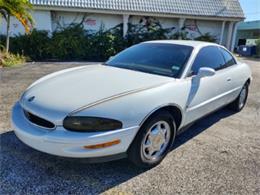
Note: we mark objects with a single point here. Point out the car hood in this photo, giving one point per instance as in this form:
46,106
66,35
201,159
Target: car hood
55,96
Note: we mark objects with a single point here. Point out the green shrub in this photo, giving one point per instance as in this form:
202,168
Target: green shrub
183,35
69,44
102,45
152,31
34,45
76,43
9,60
2,40
258,48
206,37
119,42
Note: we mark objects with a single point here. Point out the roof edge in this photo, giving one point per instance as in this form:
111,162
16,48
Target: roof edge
137,13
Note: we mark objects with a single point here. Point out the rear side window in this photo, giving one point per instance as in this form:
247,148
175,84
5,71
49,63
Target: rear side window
208,57
229,60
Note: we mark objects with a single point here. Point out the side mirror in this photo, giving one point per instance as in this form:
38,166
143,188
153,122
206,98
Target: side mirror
206,72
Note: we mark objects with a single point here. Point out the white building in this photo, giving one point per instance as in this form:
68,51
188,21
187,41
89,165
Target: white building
217,17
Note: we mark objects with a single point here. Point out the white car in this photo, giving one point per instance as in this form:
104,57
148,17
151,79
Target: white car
133,105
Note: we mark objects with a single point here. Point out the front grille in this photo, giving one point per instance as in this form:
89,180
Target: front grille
38,121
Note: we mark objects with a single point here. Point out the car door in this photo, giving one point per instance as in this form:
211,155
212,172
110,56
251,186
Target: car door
206,93
231,72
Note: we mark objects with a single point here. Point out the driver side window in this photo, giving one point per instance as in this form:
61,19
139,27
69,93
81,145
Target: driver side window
210,57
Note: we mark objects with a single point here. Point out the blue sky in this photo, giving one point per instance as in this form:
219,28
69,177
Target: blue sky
251,9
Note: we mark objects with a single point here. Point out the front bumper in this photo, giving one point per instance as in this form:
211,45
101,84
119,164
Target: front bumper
65,143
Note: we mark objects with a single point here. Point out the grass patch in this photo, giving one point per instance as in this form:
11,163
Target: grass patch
11,60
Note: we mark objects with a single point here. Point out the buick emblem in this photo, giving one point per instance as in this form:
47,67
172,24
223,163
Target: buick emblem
31,99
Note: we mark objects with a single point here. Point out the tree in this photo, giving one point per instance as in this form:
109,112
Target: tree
20,10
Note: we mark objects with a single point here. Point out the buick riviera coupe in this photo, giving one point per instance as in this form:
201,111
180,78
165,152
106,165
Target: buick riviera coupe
132,106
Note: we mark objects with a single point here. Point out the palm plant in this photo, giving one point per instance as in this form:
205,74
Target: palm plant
20,10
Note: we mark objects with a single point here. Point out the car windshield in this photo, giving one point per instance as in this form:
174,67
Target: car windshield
155,58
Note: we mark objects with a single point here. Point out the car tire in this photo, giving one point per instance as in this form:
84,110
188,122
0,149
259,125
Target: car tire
153,141
239,103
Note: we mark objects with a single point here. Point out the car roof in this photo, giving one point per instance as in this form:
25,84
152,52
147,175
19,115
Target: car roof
194,44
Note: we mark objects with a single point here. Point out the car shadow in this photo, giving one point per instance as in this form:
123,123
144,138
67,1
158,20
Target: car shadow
24,170
201,125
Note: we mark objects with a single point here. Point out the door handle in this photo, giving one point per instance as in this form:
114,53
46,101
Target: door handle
229,79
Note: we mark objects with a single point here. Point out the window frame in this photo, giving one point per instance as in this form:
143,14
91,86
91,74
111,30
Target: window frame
225,65
189,74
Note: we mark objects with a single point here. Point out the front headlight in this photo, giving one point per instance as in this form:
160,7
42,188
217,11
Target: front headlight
90,124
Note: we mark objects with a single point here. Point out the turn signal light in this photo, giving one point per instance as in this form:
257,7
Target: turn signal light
103,145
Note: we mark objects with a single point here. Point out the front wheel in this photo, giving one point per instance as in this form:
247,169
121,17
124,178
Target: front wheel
240,102
153,141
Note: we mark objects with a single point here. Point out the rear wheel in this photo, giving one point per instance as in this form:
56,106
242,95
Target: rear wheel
153,140
240,102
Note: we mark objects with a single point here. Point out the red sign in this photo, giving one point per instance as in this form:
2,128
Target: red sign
90,22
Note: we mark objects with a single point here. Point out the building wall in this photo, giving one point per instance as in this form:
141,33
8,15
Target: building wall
54,20
193,27
42,22
247,34
92,22
225,35
165,22
197,28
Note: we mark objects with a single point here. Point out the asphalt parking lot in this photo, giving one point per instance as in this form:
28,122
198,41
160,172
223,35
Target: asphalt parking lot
218,155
